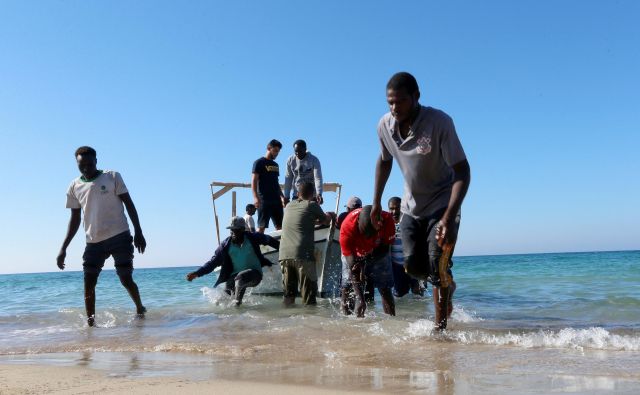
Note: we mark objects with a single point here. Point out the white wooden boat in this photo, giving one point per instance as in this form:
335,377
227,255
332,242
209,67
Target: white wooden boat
327,247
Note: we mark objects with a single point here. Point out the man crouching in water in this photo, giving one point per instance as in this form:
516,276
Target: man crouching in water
240,260
366,252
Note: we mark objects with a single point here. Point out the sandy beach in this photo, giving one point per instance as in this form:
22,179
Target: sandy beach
519,326
42,379
453,370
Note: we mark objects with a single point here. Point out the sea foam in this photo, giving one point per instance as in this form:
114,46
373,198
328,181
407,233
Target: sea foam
594,338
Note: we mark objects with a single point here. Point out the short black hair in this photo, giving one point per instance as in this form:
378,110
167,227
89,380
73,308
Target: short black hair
85,150
300,142
306,189
394,199
403,80
274,144
249,207
364,221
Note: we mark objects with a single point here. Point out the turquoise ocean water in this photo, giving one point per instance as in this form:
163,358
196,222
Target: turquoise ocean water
574,313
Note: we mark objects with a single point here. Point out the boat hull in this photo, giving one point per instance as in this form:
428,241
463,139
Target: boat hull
328,265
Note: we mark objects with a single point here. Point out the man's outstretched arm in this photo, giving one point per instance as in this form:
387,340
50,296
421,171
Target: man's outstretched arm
216,260
138,238
461,180
383,170
72,229
267,240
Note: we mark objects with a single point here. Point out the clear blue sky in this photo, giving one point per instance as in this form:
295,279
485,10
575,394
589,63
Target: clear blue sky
544,94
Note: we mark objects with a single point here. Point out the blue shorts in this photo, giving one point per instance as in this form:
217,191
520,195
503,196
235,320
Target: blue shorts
378,271
402,282
120,247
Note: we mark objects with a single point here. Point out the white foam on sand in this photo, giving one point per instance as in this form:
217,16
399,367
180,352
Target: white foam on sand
594,338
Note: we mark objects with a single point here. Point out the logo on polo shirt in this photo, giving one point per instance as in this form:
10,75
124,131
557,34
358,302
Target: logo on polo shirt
424,145
103,189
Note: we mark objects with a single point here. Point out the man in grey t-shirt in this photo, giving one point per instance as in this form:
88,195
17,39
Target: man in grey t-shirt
297,246
436,173
302,167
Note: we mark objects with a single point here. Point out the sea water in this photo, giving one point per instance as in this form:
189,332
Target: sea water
566,321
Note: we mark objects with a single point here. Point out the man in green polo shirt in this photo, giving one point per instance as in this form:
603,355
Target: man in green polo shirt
297,245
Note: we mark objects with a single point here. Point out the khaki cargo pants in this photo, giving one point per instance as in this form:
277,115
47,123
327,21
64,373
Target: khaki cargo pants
303,273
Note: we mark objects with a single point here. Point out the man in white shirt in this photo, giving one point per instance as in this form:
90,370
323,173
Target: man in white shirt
100,195
248,218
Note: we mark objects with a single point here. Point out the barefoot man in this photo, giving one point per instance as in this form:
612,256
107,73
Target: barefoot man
424,142
101,195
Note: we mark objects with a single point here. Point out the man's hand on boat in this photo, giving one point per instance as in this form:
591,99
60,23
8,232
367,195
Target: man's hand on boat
330,216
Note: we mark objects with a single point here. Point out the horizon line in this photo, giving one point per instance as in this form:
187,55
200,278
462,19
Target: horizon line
459,256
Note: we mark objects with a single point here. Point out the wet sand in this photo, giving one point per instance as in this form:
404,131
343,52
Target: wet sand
38,379
451,369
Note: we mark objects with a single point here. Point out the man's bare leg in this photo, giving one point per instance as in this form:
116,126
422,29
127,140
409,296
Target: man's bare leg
126,279
361,305
90,281
443,304
388,304
347,300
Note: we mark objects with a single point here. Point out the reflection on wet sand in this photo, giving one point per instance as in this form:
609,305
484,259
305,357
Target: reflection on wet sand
450,372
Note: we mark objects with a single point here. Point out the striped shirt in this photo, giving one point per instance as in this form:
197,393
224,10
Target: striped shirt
397,256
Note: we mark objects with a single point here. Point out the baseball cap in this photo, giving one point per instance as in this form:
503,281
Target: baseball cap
354,202
237,223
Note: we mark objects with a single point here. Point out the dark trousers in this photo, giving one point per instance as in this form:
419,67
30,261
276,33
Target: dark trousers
237,284
420,247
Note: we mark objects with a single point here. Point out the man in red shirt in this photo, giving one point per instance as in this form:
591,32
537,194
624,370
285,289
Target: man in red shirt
366,252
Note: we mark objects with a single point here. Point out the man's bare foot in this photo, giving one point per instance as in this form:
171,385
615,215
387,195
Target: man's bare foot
91,321
288,301
140,312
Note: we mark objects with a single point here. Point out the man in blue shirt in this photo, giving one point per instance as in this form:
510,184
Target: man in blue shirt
402,282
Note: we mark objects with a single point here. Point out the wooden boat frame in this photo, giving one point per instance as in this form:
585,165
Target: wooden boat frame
327,244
